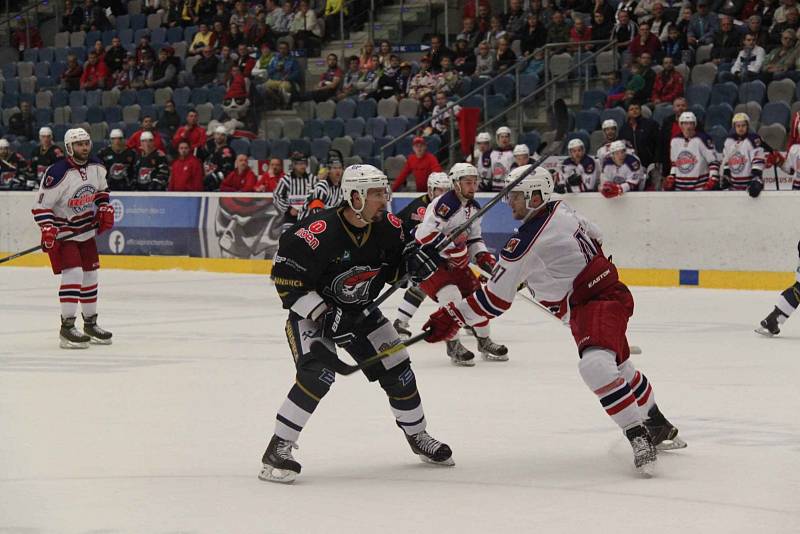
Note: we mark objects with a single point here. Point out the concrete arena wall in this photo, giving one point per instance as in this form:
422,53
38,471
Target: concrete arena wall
709,239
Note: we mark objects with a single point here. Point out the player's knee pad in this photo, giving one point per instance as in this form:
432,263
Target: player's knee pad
415,294
314,378
399,381
447,294
627,370
598,368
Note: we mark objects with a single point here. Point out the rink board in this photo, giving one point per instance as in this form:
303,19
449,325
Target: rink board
703,239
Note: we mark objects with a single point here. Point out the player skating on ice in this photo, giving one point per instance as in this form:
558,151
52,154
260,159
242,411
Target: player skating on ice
694,160
438,184
556,252
73,198
454,279
743,158
786,305
327,270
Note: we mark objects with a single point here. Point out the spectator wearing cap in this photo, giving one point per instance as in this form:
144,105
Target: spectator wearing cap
148,125
423,82
284,73
186,171
191,132
23,123
420,163
702,25
668,84
95,73
241,179
268,181
749,61
259,72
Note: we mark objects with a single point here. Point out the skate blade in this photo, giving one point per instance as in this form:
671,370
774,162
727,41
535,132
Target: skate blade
67,344
444,463
463,363
280,476
494,357
672,444
764,332
635,350
98,341
647,470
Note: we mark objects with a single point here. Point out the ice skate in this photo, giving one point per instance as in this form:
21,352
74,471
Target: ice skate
644,453
70,337
97,334
769,326
279,464
430,450
402,329
662,433
491,351
459,354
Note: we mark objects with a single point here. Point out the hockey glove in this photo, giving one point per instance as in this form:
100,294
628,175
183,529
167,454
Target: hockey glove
669,183
712,184
338,326
104,218
754,187
775,159
486,261
443,324
560,189
574,180
611,190
49,234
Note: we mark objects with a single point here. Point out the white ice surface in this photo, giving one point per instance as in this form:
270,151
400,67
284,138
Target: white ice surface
163,431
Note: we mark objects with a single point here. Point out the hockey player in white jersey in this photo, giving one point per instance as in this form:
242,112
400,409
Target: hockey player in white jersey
743,158
787,303
502,157
579,171
522,156
694,161
454,279
556,253
610,130
791,162
482,159
622,172
73,199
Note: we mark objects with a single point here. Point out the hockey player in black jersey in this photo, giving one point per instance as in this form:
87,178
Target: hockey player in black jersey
13,168
438,184
327,269
787,303
151,169
43,156
119,161
218,159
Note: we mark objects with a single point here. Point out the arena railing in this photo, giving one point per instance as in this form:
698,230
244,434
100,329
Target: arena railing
8,18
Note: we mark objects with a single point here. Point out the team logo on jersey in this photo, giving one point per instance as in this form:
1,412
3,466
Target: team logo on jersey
442,210
419,215
634,165
618,179
317,227
511,246
308,237
685,161
498,170
118,171
82,198
737,163
48,181
352,286
393,220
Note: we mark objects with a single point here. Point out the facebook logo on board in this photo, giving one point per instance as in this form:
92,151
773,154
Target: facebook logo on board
116,242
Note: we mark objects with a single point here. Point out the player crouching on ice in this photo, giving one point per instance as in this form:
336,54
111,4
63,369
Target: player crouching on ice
328,268
73,199
556,252
786,305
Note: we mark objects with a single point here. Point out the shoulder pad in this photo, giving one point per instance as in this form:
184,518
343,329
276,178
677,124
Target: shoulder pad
633,162
567,161
608,161
447,205
94,160
474,203
705,139
55,173
755,139
518,244
588,163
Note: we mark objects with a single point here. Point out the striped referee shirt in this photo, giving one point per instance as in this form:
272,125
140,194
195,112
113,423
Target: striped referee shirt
292,192
326,192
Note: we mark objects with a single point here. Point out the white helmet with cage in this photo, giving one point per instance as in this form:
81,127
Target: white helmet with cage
539,180
439,180
361,178
75,135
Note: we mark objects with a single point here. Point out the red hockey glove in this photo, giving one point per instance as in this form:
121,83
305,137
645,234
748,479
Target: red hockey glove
486,261
775,159
611,190
712,184
104,218
443,324
49,234
669,183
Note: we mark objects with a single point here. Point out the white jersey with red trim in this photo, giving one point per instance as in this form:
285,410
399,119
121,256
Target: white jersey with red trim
483,162
587,168
547,253
605,151
629,175
792,165
743,159
501,159
693,161
69,195
442,216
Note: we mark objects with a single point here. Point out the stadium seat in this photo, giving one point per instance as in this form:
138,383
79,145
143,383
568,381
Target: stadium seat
199,95
782,91
364,146
130,128
204,112
44,116
126,98
91,38
130,114
189,33
474,101
353,160
280,148
134,7
149,110
162,95
593,98
299,145
77,39
333,128
61,55
325,110
409,108
354,127
304,110
579,134
216,94
587,120
94,114
434,143
532,139
775,113
344,145
76,98
387,107
126,36
718,135
98,131
78,113
138,34
596,140
704,74
699,112
154,21
617,114
274,129
376,127
719,115
320,146
27,86
112,114
9,70
46,54
31,55
345,109
79,52
753,110
175,35
313,128
158,36
293,128
754,91
44,99
774,135
122,22
527,84
218,114
560,64
146,97
259,149
8,112
698,95
661,112
94,98
367,109
240,145
504,85
182,96
495,104
107,36
138,22
24,69
606,63
724,93
396,126
703,54
393,165
61,40
41,69
403,146
61,115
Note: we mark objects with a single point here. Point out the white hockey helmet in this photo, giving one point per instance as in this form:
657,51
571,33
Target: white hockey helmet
609,123
616,146
362,178
44,130
75,135
483,137
461,170
576,143
740,117
503,130
146,136
522,150
539,180
4,143
687,117
439,180
116,133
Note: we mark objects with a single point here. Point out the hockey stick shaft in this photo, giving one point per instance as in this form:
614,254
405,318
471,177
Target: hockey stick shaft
342,368
39,247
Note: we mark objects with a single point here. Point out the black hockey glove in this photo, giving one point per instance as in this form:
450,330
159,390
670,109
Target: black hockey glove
338,326
422,260
755,187
574,180
560,189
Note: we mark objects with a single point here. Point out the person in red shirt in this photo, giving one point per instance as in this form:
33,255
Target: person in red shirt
268,181
148,125
191,132
241,179
238,85
669,83
645,41
420,163
95,73
186,172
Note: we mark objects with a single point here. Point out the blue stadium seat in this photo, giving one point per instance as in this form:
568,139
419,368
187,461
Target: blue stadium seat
181,96
718,134
364,146
474,101
198,96
396,126
97,146
79,52
94,98
775,113
587,120
60,99
754,91
30,98
122,22
10,100
724,93
383,141
31,55
59,130
45,82
532,139
661,112
91,37
333,128
183,109
61,54
9,70
300,145
313,128
126,36
403,146
41,69
112,114
259,149
138,34
367,108
320,147
375,161
149,110
47,54
241,145
175,35
617,114
698,95
26,149
528,84
495,105
719,115
130,128
145,97
699,112
158,35
77,98
78,113
107,36
138,22
465,86
11,86
189,33
345,109
504,85
126,98
433,142
57,68
216,94
594,98
376,127
94,114
354,127
583,136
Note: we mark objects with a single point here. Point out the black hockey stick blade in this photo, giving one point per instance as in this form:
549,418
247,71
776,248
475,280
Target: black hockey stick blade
39,247
327,357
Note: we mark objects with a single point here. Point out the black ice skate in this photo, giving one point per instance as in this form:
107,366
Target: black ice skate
430,450
279,464
70,337
662,433
491,351
459,354
97,334
644,453
769,326
402,329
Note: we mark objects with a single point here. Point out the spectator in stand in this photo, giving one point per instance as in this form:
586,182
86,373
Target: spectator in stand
781,59
469,33
304,27
95,74
268,181
169,121
424,81
164,72
484,61
186,171
669,83
389,81
240,14
504,57
579,33
727,42
348,87
368,79
426,107
536,63
144,49
149,126
329,83
273,12
516,19
115,56
483,18
238,87
202,39
259,73
791,22
683,21
781,13
438,52
702,26
221,34
150,7
643,134
283,21
676,46
624,30
534,35
558,31
420,163
100,50
205,70
93,17
241,179
463,58
449,78
365,60
226,61
748,63
626,6
205,12
445,116
71,77
23,123
645,61
188,17
755,27
72,16
173,19
127,75
496,31
385,54
284,72
146,73
645,41
191,132
659,22
234,36
25,37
